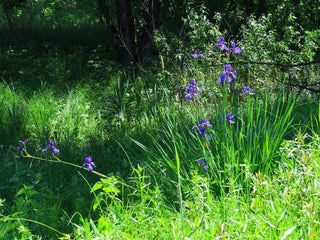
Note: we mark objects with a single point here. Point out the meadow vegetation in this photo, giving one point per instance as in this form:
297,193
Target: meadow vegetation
217,138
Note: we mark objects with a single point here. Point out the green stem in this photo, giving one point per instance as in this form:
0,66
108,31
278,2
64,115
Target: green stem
60,161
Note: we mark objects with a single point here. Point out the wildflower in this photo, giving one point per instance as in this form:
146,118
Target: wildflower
228,119
192,91
21,147
89,164
221,44
203,160
228,73
53,148
197,54
236,50
247,91
206,123
200,128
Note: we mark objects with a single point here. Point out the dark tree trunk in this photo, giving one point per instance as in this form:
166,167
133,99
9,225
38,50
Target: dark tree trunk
249,7
9,23
151,24
127,47
261,8
111,27
132,30
125,29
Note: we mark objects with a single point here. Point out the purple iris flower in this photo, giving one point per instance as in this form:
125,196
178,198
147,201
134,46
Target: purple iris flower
21,147
203,160
197,54
89,164
228,73
247,91
192,91
206,123
200,128
52,147
221,44
228,119
236,50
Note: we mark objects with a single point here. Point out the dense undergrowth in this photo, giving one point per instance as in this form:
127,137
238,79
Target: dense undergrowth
201,144
261,168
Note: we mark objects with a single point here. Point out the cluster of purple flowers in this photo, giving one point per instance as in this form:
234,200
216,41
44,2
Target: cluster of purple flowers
228,74
200,129
55,150
233,48
203,160
192,91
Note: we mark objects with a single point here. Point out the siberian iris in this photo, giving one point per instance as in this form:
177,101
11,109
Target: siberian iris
192,91
89,164
52,147
235,49
200,128
197,54
247,91
228,119
221,44
21,147
228,74
203,160
206,123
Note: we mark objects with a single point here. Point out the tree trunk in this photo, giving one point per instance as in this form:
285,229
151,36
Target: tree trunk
111,27
127,48
151,24
125,27
249,7
10,24
261,8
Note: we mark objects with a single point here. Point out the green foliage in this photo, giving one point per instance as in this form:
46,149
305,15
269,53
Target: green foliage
9,6
135,123
286,45
283,205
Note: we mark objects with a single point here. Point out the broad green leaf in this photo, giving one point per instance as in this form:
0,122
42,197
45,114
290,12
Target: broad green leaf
97,186
97,200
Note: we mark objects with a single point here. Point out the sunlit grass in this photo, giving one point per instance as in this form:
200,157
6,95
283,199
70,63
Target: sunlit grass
280,206
251,181
261,181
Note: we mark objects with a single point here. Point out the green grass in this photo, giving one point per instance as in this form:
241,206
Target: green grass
283,206
230,199
263,170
